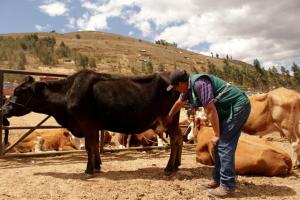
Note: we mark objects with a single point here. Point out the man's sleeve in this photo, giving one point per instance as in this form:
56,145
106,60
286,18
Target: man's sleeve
204,90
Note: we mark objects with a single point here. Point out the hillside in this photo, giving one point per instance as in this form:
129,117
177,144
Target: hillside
115,51
107,52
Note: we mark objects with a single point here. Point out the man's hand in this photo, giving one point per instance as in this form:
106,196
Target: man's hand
215,140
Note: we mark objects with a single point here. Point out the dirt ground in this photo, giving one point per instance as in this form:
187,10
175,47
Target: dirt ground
134,175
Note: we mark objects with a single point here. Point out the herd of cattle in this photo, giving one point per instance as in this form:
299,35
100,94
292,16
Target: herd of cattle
277,110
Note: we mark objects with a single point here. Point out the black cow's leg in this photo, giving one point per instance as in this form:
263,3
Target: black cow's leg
179,143
170,166
97,154
92,147
6,137
90,151
176,147
6,132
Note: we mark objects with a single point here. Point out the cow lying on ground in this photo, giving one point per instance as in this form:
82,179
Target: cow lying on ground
53,140
87,102
277,110
186,126
253,155
145,139
80,142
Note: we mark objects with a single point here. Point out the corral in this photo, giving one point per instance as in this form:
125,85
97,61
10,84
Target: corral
126,175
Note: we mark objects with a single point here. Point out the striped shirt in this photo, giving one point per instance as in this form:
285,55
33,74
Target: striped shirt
204,90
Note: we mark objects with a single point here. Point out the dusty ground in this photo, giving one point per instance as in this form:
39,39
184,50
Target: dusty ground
129,175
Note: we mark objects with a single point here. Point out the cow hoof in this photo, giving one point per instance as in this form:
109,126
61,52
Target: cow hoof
169,172
87,175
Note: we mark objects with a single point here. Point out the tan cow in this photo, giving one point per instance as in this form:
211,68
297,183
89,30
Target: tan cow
277,110
253,155
59,140
146,138
80,142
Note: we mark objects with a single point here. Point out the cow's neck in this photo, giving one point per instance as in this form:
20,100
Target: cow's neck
53,101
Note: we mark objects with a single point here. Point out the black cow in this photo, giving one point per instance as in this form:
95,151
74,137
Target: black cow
87,102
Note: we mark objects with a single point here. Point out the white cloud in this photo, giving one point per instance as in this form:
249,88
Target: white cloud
246,31
92,23
130,33
71,23
99,12
54,8
38,27
41,28
267,30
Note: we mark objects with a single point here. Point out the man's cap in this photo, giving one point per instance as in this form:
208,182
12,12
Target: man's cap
177,76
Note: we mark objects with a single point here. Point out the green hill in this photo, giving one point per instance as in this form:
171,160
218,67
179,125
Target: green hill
107,52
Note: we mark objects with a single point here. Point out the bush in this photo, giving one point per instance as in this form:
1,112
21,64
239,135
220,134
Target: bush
92,63
165,43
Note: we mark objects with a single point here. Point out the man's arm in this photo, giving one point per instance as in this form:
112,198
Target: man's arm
176,108
213,117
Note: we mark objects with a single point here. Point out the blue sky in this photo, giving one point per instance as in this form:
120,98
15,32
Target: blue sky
268,30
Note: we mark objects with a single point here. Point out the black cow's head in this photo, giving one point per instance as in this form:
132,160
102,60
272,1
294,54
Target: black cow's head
21,101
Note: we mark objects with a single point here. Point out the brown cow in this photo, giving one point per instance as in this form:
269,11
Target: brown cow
253,155
186,127
58,140
146,138
80,142
277,110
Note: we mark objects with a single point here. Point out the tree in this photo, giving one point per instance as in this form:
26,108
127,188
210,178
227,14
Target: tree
48,41
257,66
150,68
47,56
92,63
262,76
63,51
21,61
82,60
165,43
161,68
296,72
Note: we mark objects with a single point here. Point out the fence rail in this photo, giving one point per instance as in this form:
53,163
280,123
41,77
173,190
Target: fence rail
9,71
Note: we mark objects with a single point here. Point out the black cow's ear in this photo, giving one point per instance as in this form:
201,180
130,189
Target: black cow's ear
39,86
29,79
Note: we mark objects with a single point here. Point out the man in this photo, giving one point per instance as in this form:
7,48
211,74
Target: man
227,108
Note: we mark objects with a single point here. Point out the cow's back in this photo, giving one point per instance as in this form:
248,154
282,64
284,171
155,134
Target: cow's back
260,118
131,105
257,156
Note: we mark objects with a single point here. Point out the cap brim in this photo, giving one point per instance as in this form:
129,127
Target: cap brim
170,87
